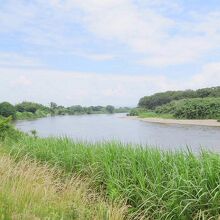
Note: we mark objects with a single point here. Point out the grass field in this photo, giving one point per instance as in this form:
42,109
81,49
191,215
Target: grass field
155,115
155,184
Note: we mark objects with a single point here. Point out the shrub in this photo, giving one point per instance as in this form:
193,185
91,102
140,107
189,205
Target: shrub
134,112
30,107
7,109
197,108
25,115
4,127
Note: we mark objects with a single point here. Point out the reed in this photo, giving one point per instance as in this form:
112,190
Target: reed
155,184
30,190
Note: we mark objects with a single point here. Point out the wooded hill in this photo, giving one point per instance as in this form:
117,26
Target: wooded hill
159,99
189,104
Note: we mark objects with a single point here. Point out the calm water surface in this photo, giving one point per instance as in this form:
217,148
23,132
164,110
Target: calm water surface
120,128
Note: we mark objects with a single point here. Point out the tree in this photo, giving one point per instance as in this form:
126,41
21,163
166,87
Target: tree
7,109
30,107
159,99
88,110
75,109
61,110
110,109
53,105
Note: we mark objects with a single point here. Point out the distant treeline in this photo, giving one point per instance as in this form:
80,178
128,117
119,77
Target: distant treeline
27,110
78,109
159,99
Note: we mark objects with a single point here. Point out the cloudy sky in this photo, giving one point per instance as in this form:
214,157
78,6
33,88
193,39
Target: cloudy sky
98,52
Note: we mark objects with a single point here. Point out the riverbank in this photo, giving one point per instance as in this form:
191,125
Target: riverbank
32,190
143,182
204,122
155,184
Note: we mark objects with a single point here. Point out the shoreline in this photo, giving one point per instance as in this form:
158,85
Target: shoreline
196,122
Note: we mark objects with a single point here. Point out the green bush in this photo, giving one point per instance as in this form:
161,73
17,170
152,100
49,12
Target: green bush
5,127
40,113
25,115
7,109
31,107
197,108
137,111
134,112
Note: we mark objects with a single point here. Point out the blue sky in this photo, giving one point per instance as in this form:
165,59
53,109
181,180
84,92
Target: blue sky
99,52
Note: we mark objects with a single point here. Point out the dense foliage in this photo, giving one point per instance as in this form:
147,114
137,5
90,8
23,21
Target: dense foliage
4,127
188,104
134,112
31,107
158,99
6,109
197,108
7,130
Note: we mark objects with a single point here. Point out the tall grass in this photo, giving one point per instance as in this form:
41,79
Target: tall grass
155,184
29,190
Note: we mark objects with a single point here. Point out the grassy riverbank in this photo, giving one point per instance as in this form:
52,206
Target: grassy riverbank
155,115
184,109
144,113
30,190
155,184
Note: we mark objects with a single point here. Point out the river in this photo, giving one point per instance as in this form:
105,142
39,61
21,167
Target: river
120,128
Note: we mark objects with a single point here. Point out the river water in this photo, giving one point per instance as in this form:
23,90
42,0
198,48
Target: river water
120,128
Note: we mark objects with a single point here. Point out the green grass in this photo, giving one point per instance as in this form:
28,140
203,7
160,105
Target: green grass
155,115
155,184
30,190
144,113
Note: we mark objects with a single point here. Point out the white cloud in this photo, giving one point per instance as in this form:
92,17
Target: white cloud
96,57
21,81
160,39
17,60
15,15
164,5
123,21
70,88
141,26
209,76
